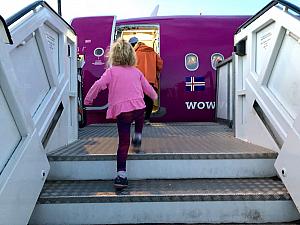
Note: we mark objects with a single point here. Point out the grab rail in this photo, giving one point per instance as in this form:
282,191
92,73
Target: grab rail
31,7
4,31
266,8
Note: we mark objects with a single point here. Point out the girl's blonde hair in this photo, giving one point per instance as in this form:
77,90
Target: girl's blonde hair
121,54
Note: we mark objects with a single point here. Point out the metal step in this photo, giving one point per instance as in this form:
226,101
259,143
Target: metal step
165,201
171,151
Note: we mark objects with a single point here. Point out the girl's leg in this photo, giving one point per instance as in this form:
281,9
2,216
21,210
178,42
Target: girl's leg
149,107
124,121
139,123
139,120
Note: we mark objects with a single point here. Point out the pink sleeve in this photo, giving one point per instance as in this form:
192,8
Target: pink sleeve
147,88
99,85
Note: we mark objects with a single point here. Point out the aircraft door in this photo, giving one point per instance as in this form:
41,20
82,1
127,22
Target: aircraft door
149,34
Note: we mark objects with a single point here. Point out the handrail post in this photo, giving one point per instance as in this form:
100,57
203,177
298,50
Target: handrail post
59,7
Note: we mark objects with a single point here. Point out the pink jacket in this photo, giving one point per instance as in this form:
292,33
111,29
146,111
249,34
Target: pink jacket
126,88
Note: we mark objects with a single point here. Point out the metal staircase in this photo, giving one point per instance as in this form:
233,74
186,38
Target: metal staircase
188,173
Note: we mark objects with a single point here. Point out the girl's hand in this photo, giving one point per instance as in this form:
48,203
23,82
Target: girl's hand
86,102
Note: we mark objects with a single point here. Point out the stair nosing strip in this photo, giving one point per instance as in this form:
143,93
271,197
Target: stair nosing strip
163,198
164,156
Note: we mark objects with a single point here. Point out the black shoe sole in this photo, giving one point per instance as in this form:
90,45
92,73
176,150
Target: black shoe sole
139,151
120,186
136,149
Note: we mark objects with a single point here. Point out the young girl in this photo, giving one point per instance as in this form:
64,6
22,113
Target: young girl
126,86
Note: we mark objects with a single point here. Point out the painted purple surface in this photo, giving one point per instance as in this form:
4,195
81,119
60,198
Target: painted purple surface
201,35
92,33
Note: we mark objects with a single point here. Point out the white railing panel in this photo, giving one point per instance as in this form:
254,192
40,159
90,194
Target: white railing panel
9,133
225,94
26,168
252,86
284,81
222,98
56,45
30,72
287,163
38,85
268,94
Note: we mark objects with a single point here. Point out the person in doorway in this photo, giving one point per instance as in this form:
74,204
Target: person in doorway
126,87
150,64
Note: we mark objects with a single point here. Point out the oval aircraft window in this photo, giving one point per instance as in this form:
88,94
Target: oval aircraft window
215,59
191,62
98,52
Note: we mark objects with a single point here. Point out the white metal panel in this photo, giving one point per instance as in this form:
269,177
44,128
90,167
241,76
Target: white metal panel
287,163
242,66
10,136
284,81
59,136
231,90
33,91
71,69
253,124
38,22
222,92
264,40
29,69
258,90
23,176
21,181
52,38
67,127
276,91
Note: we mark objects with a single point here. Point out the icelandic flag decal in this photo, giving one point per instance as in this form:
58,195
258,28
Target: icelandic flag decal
194,83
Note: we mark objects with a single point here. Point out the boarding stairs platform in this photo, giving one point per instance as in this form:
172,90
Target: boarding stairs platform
187,173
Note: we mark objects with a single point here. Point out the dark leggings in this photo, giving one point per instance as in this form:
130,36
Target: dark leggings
149,104
124,121
149,107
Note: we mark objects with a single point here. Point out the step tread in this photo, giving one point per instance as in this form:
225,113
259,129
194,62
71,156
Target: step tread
163,141
258,189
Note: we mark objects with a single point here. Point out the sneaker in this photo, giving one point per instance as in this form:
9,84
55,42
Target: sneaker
147,122
136,143
120,182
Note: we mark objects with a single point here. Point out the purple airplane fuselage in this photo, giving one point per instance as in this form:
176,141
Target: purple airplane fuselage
190,47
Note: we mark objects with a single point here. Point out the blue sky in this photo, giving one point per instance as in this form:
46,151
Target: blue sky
140,8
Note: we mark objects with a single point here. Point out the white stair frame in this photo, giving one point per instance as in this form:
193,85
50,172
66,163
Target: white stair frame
277,127
24,174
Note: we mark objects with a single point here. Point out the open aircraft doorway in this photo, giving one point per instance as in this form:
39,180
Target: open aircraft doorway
149,35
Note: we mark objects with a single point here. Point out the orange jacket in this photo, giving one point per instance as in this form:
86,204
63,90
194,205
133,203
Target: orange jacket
148,62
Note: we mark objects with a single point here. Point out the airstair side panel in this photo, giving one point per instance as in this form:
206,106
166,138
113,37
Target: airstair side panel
38,104
23,162
44,56
267,95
